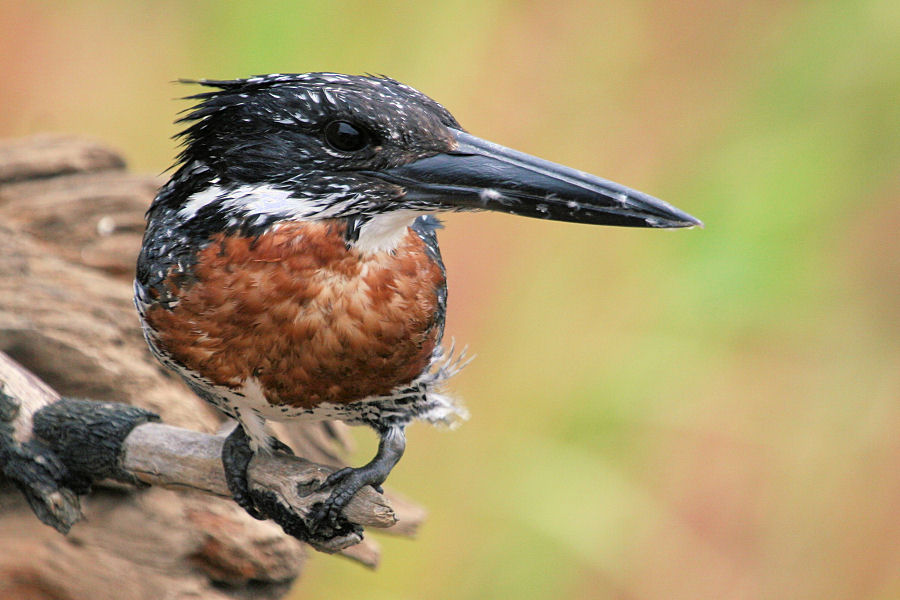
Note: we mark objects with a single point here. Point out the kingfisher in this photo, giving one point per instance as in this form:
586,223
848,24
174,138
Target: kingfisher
290,267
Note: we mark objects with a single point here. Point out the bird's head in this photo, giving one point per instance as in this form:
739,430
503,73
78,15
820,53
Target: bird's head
371,149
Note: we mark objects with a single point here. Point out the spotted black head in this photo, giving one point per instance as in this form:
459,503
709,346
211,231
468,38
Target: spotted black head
279,128
364,148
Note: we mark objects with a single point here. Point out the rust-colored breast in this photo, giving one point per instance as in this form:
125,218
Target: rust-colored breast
311,320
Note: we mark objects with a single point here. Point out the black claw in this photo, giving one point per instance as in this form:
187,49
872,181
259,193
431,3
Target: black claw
326,519
326,522
279,446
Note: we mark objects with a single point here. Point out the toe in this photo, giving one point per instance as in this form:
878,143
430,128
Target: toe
279,446
336,478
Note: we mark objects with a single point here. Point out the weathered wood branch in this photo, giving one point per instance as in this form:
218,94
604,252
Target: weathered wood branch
71,219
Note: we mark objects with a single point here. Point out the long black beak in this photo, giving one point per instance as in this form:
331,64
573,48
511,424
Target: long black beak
481,175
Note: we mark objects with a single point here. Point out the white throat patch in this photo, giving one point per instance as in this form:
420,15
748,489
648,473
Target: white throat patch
381,233
385,231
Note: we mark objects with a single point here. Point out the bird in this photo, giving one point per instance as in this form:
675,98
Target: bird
290,267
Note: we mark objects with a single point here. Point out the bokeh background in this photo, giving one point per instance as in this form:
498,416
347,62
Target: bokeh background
655,415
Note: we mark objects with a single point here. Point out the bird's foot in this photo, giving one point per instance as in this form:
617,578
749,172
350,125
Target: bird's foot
326,520
236,457
326,517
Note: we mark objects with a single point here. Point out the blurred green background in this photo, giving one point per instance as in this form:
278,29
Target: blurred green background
655,415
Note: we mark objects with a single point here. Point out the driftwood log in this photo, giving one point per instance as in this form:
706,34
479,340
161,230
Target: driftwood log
71,218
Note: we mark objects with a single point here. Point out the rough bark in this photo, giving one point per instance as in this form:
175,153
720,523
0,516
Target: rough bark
70,224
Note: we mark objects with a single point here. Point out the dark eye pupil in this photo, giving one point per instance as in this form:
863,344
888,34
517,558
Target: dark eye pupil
344,136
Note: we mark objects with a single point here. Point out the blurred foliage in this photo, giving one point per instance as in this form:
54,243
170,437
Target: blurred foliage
694,414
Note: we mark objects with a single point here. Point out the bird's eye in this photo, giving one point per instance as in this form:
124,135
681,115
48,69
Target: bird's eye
345,136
